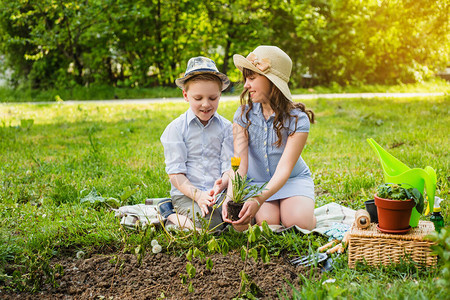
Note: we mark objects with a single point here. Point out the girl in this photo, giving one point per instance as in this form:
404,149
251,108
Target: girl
270,131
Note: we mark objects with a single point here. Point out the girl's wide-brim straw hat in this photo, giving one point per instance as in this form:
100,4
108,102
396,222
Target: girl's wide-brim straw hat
271,62
202,65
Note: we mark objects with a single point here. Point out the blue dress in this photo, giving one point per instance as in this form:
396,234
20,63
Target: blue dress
264,155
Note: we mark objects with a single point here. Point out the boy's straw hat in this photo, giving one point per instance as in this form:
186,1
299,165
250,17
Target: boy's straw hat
271,62
200,65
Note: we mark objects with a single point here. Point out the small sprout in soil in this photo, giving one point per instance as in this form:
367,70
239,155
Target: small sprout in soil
209,264
190,269
191,288
183,279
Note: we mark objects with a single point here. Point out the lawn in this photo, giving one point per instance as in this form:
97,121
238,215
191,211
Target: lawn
7,94
52,156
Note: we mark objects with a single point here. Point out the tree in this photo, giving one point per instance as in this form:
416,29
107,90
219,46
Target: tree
65,43
53,36
350,42
237,26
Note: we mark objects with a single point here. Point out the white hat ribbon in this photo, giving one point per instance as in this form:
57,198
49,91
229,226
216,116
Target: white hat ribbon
263,65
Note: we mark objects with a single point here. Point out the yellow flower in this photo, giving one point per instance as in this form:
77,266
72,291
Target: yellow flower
235,162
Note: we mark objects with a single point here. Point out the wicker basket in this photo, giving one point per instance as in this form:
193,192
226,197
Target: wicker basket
375,247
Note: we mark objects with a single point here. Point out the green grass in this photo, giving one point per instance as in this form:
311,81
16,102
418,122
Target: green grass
400,281
431,86
108,92
53,155
84,93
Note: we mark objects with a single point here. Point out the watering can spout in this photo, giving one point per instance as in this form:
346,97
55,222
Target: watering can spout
397,172
390,164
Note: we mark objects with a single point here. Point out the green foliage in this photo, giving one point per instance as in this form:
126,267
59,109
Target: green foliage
96,201
398,192
209,264
370,41
213,245
26,124
243,189
403,280
442,249
63,192
107,92
194,252
248,288
142,43
190,269
120,43
98,92
429,86
34,272
191,288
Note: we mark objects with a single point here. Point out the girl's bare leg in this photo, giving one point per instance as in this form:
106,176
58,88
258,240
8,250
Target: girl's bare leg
269,212
298,210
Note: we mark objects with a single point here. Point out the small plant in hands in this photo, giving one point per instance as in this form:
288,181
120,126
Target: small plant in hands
242,190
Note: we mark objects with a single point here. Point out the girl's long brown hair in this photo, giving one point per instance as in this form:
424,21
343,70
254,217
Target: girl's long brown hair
280,105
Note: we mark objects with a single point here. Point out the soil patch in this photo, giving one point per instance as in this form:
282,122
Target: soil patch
158,277
234,209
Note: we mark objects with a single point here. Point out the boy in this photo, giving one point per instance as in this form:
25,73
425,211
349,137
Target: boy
198,146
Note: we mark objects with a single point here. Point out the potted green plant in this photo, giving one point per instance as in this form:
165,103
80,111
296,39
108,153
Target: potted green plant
394,205
243,190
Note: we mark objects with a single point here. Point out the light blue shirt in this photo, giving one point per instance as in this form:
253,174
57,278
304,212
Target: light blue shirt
202,153
264,155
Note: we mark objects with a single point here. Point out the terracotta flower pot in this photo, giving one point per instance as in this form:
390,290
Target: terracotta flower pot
233,210
394,215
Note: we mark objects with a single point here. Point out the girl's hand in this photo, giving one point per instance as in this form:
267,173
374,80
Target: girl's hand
204,200
248,212
225,212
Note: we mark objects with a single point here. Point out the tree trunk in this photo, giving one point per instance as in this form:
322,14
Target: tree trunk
226,57
78,66
228,47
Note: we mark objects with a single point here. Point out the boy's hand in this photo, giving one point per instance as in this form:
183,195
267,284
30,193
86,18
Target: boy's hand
218,187
204,200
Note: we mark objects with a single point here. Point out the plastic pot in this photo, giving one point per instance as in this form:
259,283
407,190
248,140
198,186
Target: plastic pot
372,210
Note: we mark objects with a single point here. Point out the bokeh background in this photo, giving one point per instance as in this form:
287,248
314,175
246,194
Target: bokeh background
146,43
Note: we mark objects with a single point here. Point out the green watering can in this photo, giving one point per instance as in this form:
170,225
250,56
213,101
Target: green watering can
397,172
